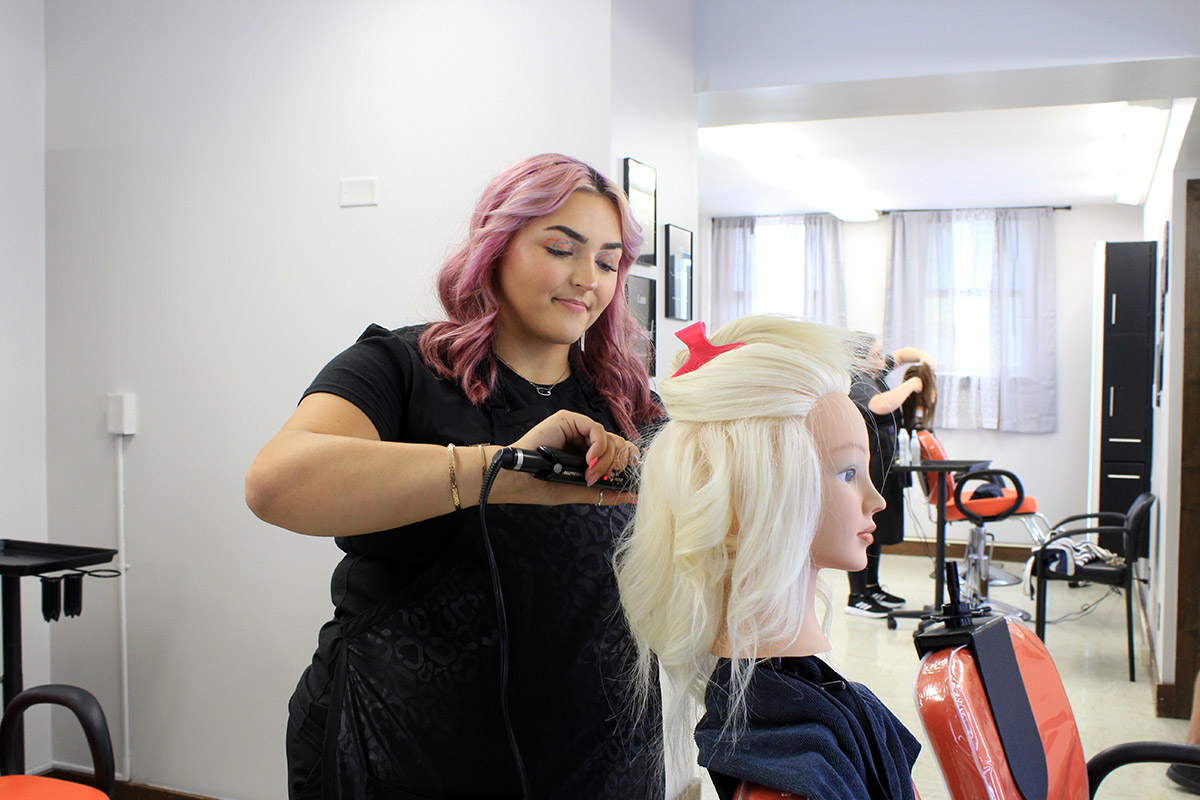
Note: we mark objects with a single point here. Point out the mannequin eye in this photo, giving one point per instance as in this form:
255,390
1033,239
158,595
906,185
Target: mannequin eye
847,475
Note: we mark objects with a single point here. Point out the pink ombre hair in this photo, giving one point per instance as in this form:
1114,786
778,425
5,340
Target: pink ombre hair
460,348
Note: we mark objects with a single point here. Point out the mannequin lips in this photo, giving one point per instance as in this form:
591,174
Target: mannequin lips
867,535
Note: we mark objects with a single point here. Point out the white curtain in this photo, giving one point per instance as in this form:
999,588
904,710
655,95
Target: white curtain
976,290
732,269
784,264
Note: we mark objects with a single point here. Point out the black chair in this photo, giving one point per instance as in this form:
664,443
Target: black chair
1134,527
95,727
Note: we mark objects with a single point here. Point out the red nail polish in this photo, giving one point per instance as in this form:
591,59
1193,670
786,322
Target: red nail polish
592,463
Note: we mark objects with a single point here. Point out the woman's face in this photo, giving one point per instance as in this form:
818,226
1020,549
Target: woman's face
559,272
849,499
875,357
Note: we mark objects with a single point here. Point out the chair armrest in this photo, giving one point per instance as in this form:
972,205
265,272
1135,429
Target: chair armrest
1104,762
86,709
1101,515
1071,532
983,474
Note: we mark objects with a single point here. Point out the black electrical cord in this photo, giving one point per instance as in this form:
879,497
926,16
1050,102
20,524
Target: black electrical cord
501,622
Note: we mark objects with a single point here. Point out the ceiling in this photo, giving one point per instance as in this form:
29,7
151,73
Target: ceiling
1060,155
935,104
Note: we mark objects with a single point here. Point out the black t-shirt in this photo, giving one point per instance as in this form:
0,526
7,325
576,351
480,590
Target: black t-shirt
881,439
384,376
426,589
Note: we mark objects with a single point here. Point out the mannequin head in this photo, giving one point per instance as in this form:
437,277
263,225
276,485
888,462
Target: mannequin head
734,492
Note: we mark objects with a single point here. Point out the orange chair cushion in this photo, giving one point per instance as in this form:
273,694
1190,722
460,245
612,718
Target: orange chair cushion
957,719
990,506
32,787
932,450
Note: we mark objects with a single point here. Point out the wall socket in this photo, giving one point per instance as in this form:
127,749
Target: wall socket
359,192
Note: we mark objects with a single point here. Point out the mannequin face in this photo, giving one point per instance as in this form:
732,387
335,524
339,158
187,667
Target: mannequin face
849,499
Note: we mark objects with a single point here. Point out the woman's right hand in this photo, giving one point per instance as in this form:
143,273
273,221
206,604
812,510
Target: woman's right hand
606,454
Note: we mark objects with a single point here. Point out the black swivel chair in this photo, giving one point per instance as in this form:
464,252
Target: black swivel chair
1134,527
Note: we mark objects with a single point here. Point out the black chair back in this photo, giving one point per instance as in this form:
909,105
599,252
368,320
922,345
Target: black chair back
1137,525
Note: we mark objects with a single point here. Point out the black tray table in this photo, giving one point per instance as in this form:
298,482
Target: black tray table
942,468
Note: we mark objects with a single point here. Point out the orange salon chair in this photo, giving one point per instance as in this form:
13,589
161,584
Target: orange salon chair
998,719
17,786
1007,501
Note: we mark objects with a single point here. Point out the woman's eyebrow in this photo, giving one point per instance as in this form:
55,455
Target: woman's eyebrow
579,237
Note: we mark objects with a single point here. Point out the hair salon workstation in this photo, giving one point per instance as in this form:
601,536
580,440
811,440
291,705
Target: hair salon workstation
174,227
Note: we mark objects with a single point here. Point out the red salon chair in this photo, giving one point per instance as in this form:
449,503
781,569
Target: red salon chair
16,786
1009,501
998,719
1134,527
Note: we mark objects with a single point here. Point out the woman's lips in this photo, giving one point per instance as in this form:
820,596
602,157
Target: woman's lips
573,305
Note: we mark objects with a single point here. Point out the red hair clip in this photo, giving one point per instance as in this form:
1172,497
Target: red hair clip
700,349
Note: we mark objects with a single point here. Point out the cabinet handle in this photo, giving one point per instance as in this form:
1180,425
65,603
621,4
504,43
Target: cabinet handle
1120,477
1110,399
1114,309
1128,441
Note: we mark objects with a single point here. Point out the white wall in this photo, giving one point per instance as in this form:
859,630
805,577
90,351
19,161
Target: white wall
1168,201
197,256
23,325
654,121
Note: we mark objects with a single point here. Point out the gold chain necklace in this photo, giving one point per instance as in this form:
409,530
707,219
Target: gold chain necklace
544,389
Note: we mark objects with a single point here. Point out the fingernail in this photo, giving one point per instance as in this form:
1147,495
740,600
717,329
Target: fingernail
592,463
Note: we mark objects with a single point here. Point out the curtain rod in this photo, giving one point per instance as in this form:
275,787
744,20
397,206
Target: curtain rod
994,208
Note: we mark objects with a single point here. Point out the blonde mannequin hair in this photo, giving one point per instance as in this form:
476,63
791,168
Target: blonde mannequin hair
728,505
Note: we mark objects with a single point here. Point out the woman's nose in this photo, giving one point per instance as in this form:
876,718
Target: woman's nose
586,275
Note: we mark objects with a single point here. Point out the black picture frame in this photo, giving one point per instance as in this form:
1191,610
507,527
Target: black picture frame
641,295
678,244
1164,283
641,186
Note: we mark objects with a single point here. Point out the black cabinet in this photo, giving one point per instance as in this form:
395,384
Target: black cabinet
1127,377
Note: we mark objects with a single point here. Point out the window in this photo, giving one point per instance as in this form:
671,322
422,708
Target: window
976,290
778,265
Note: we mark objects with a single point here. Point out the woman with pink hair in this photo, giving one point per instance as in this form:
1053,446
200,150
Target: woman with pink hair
417,689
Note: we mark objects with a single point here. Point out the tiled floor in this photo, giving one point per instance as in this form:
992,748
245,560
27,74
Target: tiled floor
1089,653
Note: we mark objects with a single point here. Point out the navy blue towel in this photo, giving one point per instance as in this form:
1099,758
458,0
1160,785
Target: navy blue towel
807,731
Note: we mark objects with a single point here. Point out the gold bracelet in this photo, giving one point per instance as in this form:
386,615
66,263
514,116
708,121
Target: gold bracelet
453,480
482,464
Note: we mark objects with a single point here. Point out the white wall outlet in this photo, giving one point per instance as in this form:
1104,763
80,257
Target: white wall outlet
358,192
122,413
